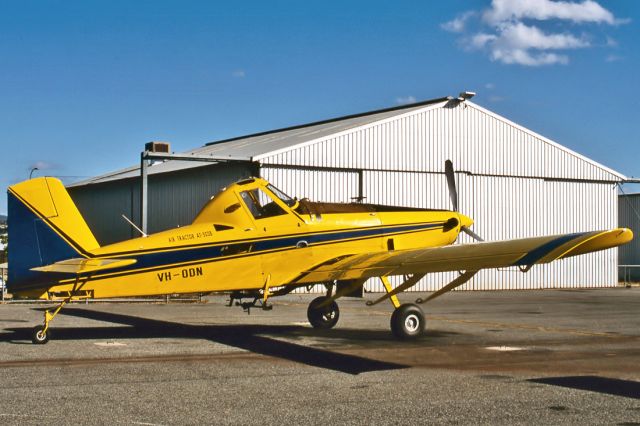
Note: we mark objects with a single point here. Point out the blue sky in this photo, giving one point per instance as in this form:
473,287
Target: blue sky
84,84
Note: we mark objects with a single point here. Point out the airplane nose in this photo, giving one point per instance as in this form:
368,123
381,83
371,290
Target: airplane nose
465,221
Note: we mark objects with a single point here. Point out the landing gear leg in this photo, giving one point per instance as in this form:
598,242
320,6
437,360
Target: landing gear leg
407,321
41,333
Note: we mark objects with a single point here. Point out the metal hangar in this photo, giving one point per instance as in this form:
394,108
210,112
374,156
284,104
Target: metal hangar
629,217
512,182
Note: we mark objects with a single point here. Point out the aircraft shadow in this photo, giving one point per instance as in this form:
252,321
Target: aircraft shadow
626,388
247,337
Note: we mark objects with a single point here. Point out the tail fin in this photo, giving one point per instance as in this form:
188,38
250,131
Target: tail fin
45,227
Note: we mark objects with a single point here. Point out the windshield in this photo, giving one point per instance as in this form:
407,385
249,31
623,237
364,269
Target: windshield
284,197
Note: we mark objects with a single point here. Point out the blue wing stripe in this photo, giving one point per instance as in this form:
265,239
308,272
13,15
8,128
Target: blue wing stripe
535,255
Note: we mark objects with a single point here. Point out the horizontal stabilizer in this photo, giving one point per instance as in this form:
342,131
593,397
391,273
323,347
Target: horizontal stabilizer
84,266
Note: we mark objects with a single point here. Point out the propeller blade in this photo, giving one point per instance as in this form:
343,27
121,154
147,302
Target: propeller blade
472,234
451,182
453,194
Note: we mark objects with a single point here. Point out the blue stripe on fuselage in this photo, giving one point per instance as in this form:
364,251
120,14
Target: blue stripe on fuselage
212,253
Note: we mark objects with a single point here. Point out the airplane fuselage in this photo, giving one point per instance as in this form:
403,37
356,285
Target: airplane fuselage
231,246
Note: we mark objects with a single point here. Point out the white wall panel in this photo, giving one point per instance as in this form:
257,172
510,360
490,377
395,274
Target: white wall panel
475,139
513,182
503,208
332,186
507,208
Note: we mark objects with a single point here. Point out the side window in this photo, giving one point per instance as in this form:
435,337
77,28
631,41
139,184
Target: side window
251,203
260,204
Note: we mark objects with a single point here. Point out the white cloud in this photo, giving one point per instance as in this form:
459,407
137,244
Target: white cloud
402,100
239,74
509,10
524,57
481,40
457,25
613,58
521,36
511,31
489,86
524,45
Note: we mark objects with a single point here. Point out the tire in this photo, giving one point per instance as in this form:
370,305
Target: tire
39,336
408,322
325,317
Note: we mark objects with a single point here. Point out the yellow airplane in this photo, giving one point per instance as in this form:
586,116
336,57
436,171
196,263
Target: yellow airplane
254,242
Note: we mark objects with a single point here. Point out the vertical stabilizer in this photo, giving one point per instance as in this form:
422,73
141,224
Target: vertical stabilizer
45,226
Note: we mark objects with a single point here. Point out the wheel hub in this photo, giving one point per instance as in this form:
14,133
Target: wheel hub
412,323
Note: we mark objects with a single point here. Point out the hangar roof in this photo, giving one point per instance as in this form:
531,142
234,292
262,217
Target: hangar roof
272,145
257,144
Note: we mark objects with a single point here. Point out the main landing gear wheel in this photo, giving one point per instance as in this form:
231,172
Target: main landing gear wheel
407,321
323,316
39,336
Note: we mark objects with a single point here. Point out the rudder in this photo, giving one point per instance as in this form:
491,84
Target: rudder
45,227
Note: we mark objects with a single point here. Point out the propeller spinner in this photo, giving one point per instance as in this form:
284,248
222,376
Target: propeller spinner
453,195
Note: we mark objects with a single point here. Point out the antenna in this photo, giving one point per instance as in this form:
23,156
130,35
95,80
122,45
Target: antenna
134,226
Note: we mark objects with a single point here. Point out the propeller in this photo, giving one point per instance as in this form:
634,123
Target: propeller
472,234
453,195
451,182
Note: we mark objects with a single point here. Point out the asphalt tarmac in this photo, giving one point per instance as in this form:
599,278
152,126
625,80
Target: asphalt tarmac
529,357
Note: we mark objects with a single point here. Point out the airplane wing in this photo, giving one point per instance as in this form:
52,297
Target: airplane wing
523,253
81,266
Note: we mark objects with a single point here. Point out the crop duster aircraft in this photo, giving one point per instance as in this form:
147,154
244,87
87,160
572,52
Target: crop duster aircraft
254,242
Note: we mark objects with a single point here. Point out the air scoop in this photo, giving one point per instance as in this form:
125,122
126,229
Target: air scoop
450,224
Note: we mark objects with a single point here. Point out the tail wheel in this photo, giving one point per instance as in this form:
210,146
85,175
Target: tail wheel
39,336
323,316
408,322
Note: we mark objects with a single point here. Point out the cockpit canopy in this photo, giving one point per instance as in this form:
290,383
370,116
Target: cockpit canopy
243,201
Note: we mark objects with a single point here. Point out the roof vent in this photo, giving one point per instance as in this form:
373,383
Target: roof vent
463,96
157,146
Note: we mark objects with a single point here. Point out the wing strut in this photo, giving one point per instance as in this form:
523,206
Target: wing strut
409,282
352,286
453,284
389,288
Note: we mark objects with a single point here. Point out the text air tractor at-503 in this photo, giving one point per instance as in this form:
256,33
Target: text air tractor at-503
254,242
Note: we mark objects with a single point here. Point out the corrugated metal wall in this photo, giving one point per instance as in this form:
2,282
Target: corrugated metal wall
513,182
331,186
476,141
629,217
503,208
102,206
174,199
518,184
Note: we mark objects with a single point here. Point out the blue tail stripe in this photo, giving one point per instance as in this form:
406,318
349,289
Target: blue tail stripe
33,244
